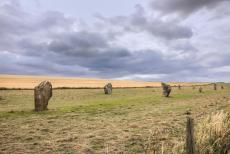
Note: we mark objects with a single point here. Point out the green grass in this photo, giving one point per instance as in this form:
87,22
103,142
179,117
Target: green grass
21,102
134,120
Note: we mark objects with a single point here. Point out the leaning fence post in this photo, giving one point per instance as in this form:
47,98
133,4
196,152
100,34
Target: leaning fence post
190,148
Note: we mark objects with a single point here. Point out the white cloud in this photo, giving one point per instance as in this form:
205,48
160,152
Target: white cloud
222,69
156,77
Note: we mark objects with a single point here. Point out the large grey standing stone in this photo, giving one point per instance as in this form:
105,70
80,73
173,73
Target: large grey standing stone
200,90
214,86
222,87
166,89
42,95
108,88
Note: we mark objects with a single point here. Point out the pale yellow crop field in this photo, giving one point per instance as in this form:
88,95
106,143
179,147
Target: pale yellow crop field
22,81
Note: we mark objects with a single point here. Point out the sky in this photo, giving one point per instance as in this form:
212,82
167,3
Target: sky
151,40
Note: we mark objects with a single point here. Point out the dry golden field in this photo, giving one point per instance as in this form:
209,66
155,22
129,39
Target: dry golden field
22,81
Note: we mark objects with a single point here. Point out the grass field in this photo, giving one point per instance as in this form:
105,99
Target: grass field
136,120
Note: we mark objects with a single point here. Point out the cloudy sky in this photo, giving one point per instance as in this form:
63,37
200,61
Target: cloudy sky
166,40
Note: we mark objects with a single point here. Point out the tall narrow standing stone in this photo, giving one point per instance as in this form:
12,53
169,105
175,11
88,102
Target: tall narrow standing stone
222,87
42,95
214,86
200,89
108,88
166,89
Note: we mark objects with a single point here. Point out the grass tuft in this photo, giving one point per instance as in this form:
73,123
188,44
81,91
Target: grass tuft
213,134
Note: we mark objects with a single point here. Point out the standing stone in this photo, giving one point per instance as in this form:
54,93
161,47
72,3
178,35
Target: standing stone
179,87
42,95
108,88
166,89
222,87
214,86
200,89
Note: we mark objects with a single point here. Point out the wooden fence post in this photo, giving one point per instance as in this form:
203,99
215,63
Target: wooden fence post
190,148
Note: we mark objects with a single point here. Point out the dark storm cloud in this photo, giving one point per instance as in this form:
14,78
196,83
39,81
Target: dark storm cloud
25,48
162,29
155,26
143,62
21,31
11,19
79,44
81,53
183,7
13,23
